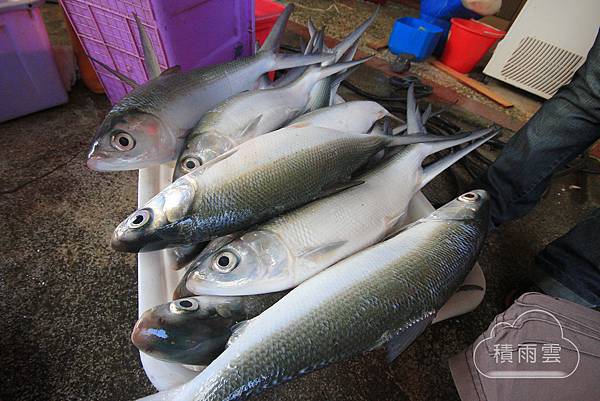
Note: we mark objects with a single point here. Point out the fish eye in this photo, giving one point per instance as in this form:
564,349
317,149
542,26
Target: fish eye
139,218
122,141
190,163
185,305
225,262
469,197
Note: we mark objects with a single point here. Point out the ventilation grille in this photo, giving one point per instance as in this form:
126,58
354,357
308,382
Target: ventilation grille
541,66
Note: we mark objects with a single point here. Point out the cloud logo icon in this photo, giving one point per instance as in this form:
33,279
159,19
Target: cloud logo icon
498,357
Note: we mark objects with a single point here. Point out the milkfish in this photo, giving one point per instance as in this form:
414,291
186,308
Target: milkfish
259,179
248,115
384,296
148,126
290,248
195,330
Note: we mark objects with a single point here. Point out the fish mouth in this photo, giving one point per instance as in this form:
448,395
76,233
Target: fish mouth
118,244
122,245
201,349
147,336
134,245
99,161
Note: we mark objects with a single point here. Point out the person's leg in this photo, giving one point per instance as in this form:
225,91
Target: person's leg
569,267
563,128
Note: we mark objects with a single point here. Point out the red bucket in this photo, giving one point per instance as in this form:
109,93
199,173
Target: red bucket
468,42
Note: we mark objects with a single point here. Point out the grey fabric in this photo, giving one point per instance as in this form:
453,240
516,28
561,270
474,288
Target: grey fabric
535,328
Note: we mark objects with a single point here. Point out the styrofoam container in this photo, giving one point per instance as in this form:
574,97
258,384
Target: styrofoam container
157,280
188,33
29,78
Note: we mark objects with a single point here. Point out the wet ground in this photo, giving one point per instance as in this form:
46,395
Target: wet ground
69,302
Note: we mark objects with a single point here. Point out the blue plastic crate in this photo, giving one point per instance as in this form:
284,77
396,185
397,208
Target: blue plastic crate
414,36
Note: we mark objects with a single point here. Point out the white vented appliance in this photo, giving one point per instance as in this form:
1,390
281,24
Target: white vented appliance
546,44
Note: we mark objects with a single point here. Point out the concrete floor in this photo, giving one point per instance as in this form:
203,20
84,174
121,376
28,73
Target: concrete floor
69,301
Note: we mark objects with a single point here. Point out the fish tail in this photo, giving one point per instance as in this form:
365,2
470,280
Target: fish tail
414,122
350,40
283,61
271,44
434,169
337,81
340,68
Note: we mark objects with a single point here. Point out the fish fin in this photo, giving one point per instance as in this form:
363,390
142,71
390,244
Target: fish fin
435,113
171,70
431,171
320,250
421,138
349,55
217,159
414,124
337,81
302,45
237,330
312,29
271,44
351,39
320,42
404,338
123,78
310,45
284,61
387,127
250,129
420,119
339,187
427,114
324,72
150,59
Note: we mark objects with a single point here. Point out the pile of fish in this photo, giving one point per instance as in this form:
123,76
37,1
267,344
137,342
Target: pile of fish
287,212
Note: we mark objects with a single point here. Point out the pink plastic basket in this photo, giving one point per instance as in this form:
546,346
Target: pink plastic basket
189,33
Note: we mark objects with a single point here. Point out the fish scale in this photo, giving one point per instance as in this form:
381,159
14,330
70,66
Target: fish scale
355,306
